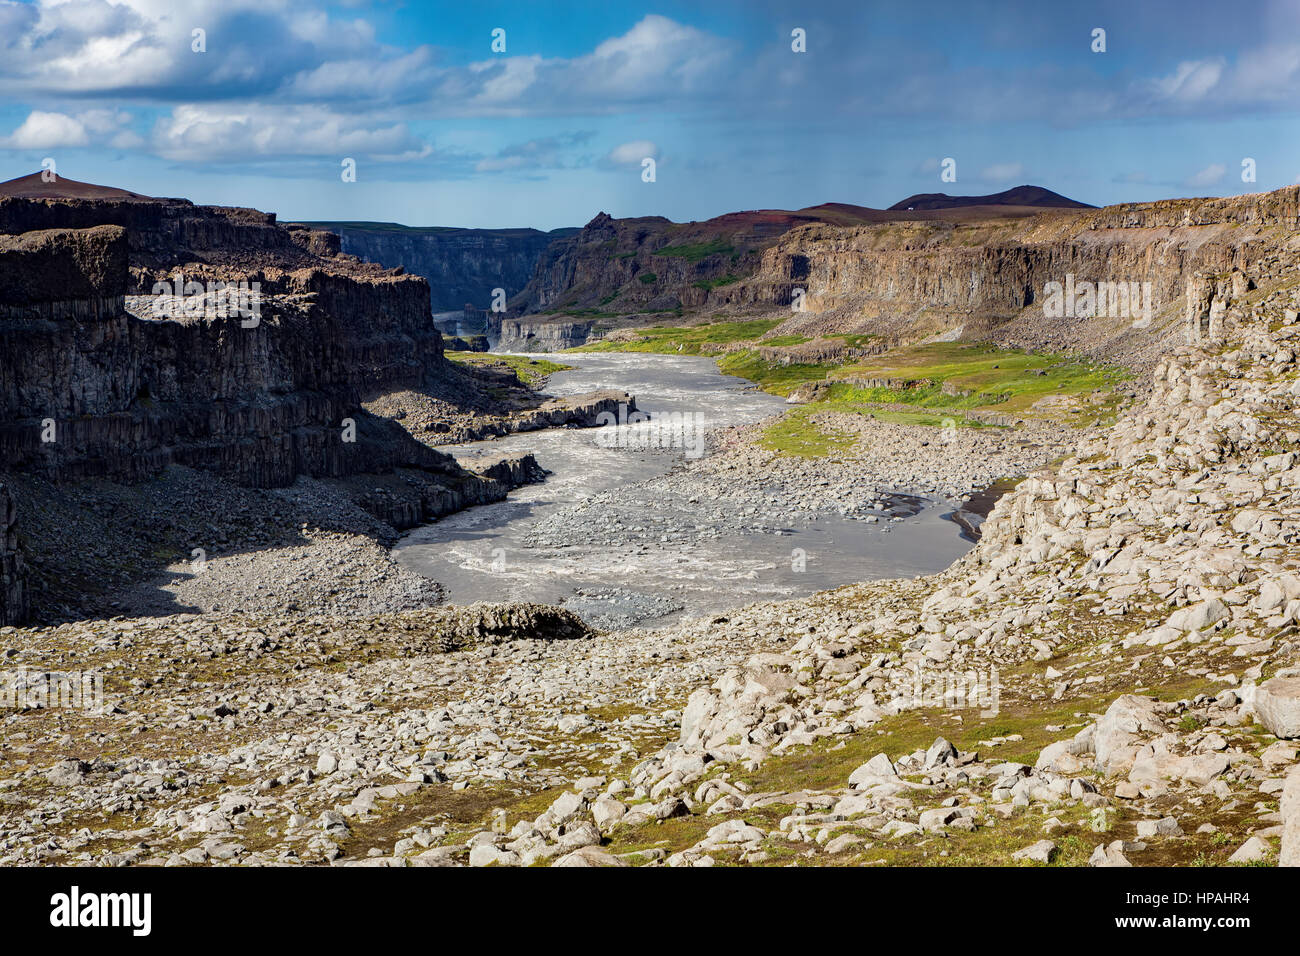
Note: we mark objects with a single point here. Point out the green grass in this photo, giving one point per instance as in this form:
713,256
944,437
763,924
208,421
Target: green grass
531,371
706,284
694,252
984,377
1005,380
920,418
771,377
685,339
796,434
648,278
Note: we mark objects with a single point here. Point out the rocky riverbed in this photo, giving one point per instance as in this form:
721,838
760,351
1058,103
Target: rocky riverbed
685,513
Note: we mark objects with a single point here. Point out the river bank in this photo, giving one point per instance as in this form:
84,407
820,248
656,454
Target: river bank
688,514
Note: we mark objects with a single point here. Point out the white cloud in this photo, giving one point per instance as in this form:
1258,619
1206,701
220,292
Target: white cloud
1192,81
222,133
631,154
47,130
1208,176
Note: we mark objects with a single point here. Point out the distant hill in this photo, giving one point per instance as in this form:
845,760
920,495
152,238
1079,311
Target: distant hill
1035,196
33,187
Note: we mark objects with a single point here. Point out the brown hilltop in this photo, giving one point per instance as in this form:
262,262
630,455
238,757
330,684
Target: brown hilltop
34,187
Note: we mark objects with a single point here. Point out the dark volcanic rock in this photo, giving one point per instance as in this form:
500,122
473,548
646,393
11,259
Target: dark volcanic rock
13,594
98,382
462,266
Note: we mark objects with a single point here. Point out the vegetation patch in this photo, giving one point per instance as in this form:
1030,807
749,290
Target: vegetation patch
964,375
531,371
797,434
685,339
695,251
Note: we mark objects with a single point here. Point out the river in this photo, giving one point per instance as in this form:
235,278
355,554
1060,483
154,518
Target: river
492,552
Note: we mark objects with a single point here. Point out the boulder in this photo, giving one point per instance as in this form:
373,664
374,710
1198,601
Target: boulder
1277,705
1121,730
590,856
1040,852
875,770
1289,810
1195,617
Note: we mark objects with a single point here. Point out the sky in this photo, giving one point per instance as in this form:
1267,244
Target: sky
529,113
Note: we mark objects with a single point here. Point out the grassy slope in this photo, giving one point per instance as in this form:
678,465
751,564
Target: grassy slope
981,377
531,371
685,339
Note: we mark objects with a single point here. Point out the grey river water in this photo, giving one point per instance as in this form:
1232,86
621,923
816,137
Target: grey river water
483,554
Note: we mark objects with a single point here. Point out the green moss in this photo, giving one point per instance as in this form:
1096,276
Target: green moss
531,371
685,339
694,252
796,434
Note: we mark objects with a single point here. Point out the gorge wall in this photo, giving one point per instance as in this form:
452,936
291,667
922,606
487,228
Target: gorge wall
982,277
462,266
618,266
987,280
101,378
13,590
93,383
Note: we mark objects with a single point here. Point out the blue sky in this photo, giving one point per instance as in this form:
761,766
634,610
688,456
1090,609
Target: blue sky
446,131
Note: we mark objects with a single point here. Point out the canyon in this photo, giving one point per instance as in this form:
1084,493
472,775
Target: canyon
98,383
1107,676
461,266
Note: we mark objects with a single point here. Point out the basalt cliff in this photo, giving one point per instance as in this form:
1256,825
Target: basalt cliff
969,272
462,266
138,335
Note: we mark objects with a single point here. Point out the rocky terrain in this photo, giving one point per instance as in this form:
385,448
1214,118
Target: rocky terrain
741,488
1109,678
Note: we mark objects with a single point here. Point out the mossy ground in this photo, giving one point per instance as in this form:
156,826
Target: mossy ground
684,340
531,371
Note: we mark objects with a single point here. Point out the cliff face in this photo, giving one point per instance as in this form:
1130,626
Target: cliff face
94,383
462,266
536,334
989,280
619,266
13,593
98,381
650,264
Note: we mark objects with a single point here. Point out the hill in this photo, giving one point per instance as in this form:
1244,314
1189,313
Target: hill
1029,196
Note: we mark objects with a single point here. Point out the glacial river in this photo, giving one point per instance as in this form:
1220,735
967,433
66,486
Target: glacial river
482,554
